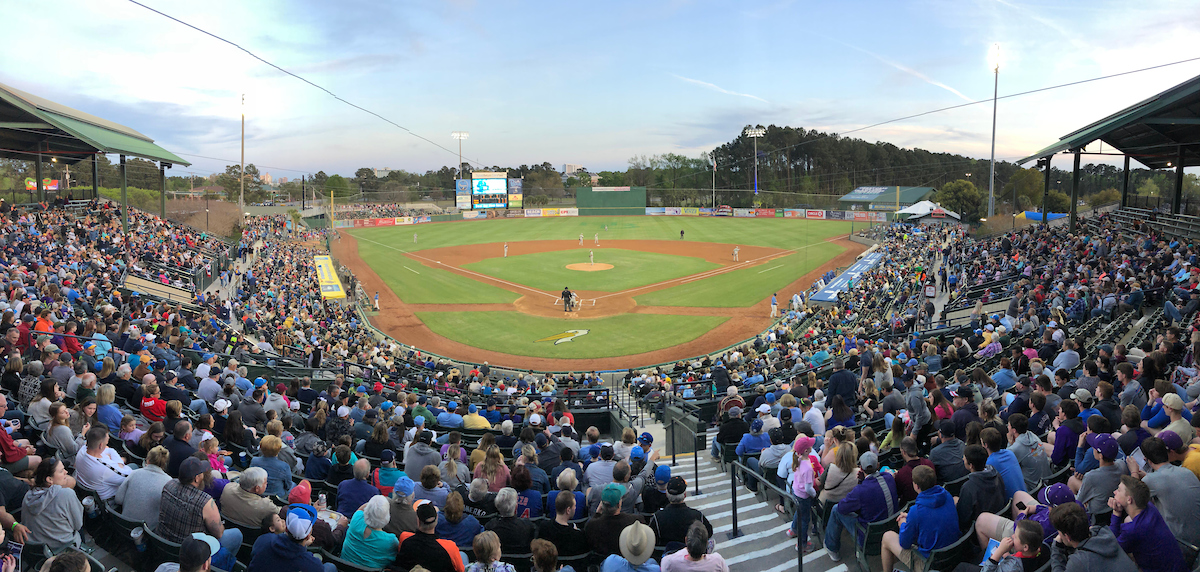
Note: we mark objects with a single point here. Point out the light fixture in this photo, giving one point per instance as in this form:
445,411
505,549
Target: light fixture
754,133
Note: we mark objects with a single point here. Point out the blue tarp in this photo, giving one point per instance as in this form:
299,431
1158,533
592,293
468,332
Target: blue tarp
842,282
1033,215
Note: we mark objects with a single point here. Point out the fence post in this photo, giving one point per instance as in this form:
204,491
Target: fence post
674,443
734,531
696,464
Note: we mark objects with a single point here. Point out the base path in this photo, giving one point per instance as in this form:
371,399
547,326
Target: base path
398,319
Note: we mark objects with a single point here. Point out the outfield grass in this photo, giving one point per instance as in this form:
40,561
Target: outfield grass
772,232
547,270
745,287
417,284
516,333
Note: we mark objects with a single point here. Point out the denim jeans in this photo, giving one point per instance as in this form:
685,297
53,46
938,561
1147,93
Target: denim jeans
1172,312
833,529
231,539
199,406
800,521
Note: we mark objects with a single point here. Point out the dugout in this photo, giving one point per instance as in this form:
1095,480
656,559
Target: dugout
610,201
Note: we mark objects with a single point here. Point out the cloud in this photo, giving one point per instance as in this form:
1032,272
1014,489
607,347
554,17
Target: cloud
718,88
908,70
1068,36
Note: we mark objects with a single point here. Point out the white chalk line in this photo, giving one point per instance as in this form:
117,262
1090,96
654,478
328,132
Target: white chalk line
770,269
413,271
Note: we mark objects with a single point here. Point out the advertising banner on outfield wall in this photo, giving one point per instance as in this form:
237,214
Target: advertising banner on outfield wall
462,186
514,213
689,211
814,214
533,213
343,224
793,213
401,220
463,202
474,215
421,219
706,211
835,215
764,213
744,213
672,211
515,199
568,212
385,222
861,216
549,212
656,211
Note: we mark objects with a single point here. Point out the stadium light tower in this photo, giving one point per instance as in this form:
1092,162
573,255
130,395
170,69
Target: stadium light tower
754,133
994,62
460,135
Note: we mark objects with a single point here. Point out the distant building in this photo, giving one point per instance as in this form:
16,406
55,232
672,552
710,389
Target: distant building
282,180
383,173
266,179
568,169
884,198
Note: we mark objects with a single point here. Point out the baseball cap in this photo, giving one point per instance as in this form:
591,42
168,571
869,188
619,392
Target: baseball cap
343,411
541,440
756,426
912,362
594,451
662,474
646,437
1173,401
868,459
259,382
1082,394
1171,439
946,427
363,389
535,419
452,405
190,468
677,485
735,411
387,455
426,512
1056,494
223,404
472,408
613,493
196,549
403,485
1052,324
300,521
52,348
770,397
1104,443
764,408
386,405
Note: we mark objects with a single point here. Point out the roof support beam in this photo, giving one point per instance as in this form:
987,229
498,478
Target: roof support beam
25,125
1172,121
1046,191
1075,189
1125,184
1177,205
124,200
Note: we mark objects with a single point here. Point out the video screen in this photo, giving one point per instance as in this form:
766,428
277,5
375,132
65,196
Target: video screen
489,186
491,201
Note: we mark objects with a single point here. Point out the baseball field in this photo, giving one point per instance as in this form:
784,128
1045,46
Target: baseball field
492,289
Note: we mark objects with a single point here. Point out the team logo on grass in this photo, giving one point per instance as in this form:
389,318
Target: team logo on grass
564,337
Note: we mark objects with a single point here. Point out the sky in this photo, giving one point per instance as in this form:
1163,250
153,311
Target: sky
584,83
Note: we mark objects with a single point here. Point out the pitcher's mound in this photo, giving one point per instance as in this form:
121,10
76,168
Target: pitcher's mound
588,267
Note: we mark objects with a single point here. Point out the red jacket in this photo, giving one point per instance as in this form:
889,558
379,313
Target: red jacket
10,451
154,409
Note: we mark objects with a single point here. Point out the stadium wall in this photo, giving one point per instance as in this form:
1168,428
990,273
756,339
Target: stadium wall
545,212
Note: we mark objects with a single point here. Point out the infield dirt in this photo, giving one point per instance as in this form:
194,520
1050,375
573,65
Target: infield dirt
398,319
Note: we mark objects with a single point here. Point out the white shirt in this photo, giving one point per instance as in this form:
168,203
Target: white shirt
815,420
103,475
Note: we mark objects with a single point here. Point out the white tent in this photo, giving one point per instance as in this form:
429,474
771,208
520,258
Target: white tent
924,208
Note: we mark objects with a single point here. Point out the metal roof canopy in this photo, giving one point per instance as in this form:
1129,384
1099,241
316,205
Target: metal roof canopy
1152,131
30,124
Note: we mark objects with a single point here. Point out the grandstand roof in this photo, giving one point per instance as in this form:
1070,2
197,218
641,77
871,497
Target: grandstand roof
1150,131
69,134
881,197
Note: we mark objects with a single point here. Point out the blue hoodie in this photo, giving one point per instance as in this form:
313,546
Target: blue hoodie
1009,467
932,523
274,552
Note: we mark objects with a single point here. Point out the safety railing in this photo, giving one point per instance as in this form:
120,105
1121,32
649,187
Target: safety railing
786,499
696,445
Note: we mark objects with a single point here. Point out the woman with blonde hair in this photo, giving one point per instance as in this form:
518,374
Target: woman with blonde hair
493,470
487,554
139,495
485,442
842,476
628,440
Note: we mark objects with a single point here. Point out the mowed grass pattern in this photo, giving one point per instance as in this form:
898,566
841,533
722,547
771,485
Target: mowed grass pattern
773,232
516,333
418,284
745,287
547,271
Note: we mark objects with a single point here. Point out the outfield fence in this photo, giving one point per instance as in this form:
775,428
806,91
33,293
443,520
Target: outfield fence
550,212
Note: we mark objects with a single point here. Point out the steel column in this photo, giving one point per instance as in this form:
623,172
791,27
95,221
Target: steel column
162,183
95,176
124,199
1177,207
1046,192
1075,189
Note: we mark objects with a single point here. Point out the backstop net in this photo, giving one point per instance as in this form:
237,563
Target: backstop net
610,201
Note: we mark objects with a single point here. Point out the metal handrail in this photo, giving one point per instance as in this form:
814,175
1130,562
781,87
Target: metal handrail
695,453
784,496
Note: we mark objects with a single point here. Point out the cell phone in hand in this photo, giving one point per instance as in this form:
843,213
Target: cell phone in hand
1020,506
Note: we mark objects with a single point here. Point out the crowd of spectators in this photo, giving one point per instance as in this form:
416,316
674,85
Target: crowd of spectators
378,210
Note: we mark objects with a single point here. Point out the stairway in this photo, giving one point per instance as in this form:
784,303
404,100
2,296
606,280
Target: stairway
763,545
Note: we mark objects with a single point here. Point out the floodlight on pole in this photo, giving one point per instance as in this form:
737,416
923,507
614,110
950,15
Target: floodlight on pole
460,135
994,62
754,133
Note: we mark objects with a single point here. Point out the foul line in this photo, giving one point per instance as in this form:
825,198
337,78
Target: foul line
413,271
770,269
723,270
464,270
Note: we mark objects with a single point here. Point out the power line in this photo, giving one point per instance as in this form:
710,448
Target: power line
961,105
331,94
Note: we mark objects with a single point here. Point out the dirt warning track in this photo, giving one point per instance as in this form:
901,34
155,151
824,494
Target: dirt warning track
398,319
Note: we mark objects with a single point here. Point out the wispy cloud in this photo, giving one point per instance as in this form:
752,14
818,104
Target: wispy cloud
908,70
718,88
1067,35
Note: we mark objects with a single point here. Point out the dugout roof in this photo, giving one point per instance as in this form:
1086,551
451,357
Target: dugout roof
1151,131
29,124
